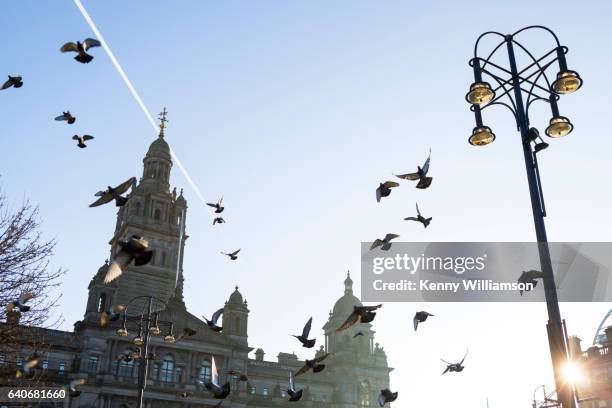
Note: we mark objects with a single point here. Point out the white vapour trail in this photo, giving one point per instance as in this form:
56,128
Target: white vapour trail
135,94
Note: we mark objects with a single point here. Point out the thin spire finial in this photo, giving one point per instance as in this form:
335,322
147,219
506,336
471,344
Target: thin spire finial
162,119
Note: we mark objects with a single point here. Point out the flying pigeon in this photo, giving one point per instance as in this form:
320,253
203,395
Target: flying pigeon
218,391
20,303
218,220
212,323
294,395
419,218
233,255
386,396
420,317
67,116
360,314
136,250
130,354
530,277
14,81
239,375
81,140
187,332
112,314
313,364
454,367
111,194
384,189
81,48
303,338
73,391
357,334
385,243
420,175
217,206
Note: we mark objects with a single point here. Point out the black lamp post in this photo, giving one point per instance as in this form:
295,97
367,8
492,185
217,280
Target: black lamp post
510,85
148,324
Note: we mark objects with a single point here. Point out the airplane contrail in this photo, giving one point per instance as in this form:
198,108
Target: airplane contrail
135,94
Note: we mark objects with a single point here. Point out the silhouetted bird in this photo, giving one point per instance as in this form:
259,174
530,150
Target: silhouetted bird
82,139
187,332
294,394
384,189
454,367
218,391
420,317
233,255
386,396
81,48
111,194
303,338
14,81
218,220
135,250
358,334
313,365
112,314
420,218
360,314
67,116
420,175
20,302
239,375
130,354
218,208
212,323
385,243
530,277
73,391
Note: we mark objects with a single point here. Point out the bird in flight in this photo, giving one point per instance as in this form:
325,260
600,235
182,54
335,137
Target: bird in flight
385,243
420,317
20,302
130,354
111,194
232,255
218,220
73,391
217,206
313,365
357,334
187,332
81,140
420,218
384,189
294,394
218,391
238,374
360,314
81,48
112,314
386,396
136,250
530,277
303,338
454,367
14,81
66,116
212,323
421,174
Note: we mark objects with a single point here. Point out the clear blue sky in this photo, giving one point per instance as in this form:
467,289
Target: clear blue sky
294,112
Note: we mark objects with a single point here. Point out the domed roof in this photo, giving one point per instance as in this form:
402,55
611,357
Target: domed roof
235,297
159,148
344,305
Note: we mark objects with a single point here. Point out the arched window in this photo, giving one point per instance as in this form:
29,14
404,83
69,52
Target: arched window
167,369
157,214
205,371
101,302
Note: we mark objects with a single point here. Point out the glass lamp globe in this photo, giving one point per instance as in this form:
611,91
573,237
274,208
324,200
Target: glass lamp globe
480,93
138,340
567,82
559,126
169,338
154,330
481,136
122,332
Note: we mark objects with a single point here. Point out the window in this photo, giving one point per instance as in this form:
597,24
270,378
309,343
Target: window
61,368
156,371
237,325
265,391
2,359
19,362
204,374
45,364
126,368
252,390
101,302
167,369
92,365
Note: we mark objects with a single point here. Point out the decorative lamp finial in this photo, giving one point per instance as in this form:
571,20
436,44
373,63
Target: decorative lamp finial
162,120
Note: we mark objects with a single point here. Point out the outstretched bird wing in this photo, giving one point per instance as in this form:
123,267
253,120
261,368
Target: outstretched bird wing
390,184
418,211
321,358
463,359
24,297
69,47
105,197
90,42
389,237
87,137
7,84
61,117
302,370
381,399
376,243
378,194
123,187
415,322
216,315
352,320
408,176
411,219
372,308
306,330
235,252
76,383
425,167
115,269
291,381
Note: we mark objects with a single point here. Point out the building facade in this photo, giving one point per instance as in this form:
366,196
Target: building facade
356,369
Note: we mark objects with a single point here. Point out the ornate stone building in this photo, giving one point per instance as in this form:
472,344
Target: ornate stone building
356,368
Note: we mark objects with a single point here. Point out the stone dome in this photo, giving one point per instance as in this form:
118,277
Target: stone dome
236,297
344,305
159,149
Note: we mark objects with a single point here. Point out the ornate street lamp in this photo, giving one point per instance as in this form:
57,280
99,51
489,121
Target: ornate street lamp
511,85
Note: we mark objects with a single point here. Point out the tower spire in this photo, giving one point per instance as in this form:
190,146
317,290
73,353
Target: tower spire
162,121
